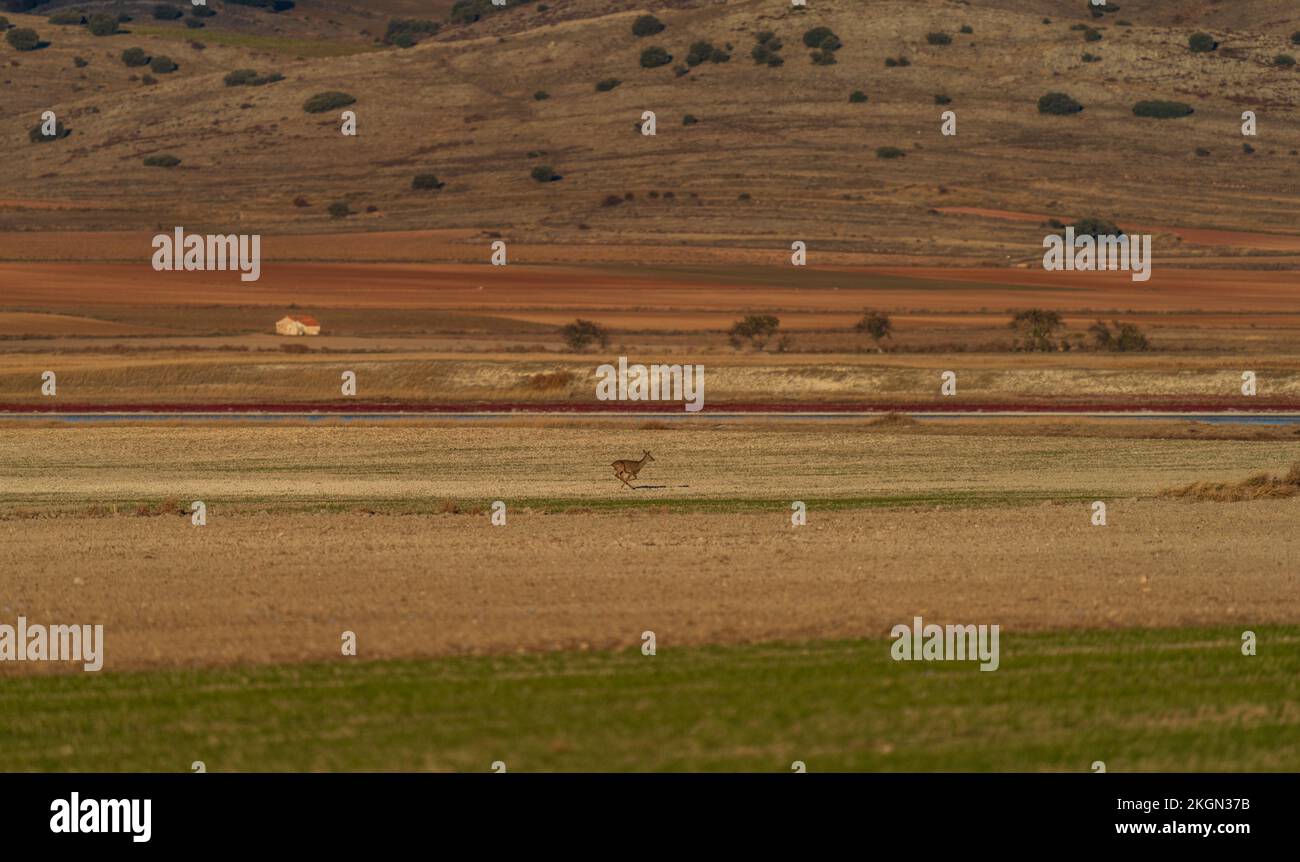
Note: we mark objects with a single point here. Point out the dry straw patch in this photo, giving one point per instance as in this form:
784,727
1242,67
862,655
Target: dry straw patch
1257,487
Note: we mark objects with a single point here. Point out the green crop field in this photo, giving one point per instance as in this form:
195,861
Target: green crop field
1139,700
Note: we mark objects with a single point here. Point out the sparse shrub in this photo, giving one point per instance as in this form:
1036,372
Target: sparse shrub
938,38
1036,328
23,39
1095,227
1092,35
163,160
1247,149
646,25
1285,61
162,65
1162,110
941,99
966,28
541,96
194,23
424,182
148,80
611,201
581,334
327,101
4,24
606,85
823,58
857,97
892,62
101,24
756,329
767,51
80,62
340,209
37,134
1059,104
250,78
301,202
203,11
67,17
889,153
544,174
406,32
1126,337
877,325
167,12
1201,43
689,120
135,57
1090,58
655,56
1202,152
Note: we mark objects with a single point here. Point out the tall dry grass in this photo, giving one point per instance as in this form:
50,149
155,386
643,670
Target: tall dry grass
1260,486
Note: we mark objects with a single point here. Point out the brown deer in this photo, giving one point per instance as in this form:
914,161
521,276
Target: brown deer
627,469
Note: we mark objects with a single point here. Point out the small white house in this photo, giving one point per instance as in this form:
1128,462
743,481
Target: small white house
300,325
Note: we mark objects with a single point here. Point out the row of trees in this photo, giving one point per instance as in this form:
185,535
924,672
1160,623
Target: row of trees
1036,329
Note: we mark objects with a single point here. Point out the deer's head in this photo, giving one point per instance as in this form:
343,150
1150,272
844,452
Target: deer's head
646,454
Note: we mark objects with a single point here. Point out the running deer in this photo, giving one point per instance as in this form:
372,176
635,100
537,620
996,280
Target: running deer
627,469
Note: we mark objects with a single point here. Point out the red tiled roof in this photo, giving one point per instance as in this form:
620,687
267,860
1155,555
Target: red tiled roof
306,321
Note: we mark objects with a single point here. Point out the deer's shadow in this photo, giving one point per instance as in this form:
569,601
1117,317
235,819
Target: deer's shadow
655,487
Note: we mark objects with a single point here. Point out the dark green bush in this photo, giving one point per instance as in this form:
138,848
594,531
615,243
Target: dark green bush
938,38
704,52
1295,38
689,120
1161,109
966,28
1092,36
340,209
544,174
194,23
1059,104
162,65
165,160
606,85
767,51
889,153
67,17
80,62
167,12
250,78
655,56
102,25
646,25
202,11
135,57
857,97
1201,43
541,95
23,39
424,182
941,99
327,101
1284,60
816,36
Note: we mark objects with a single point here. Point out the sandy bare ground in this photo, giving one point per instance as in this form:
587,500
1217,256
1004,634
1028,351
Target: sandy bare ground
270,588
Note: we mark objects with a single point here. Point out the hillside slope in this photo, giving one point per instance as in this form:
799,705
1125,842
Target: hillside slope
777,154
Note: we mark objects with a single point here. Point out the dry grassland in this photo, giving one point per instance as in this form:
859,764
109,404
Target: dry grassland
413,466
